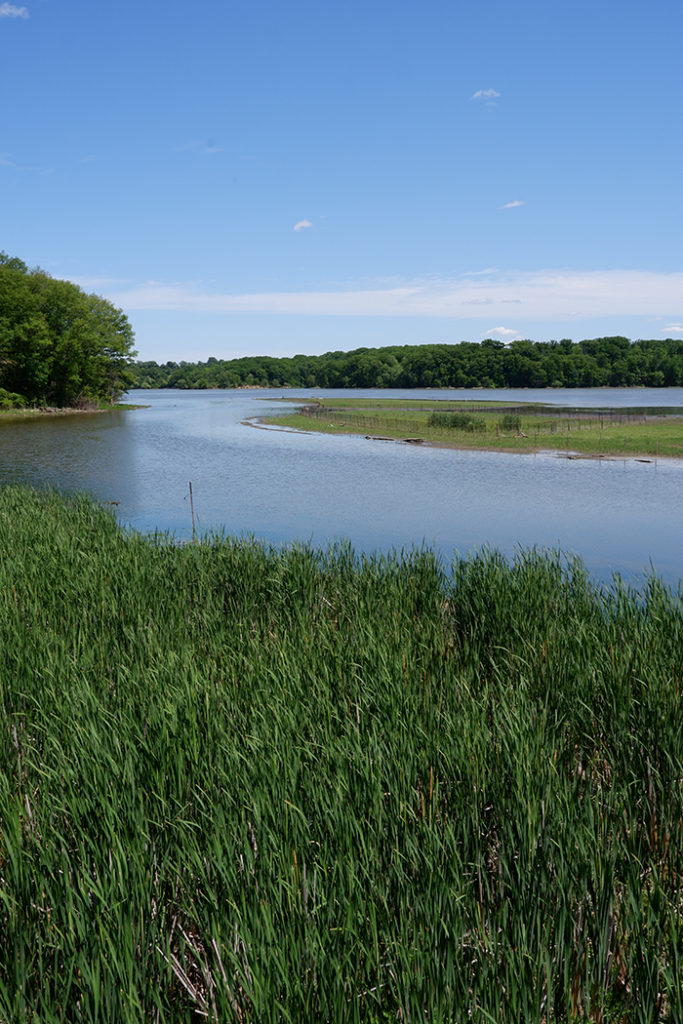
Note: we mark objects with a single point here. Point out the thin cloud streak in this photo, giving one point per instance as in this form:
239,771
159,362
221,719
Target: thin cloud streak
10,11
485,94
6,161
208,148
538,295
97,284
301,224
513,204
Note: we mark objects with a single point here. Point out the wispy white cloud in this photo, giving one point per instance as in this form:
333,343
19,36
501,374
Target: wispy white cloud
97,284
513,204
538,295
485,94
7,161
207,148
504,333
301,224
10,11
674,328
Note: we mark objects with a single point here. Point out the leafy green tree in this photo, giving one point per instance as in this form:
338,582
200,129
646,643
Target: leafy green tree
593,362
58,344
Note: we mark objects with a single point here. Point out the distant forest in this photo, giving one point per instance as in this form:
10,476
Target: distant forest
599,362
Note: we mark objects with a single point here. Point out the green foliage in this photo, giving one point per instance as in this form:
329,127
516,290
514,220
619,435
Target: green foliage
453,420
510,422
58,345
10,400
477,425
257,785
458,421
522,364
650,432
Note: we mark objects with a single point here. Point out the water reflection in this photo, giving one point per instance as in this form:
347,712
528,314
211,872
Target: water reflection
282,486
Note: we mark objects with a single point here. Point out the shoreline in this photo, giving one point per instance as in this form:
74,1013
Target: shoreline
572,455
53,412
523,429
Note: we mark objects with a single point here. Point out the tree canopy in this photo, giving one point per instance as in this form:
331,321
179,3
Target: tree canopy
599,362
59,345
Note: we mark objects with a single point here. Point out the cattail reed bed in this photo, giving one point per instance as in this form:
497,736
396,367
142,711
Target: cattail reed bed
246,784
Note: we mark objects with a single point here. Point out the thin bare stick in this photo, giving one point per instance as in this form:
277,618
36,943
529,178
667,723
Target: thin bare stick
194,532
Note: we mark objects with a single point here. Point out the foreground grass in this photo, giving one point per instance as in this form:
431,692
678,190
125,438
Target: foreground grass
587,432
253,785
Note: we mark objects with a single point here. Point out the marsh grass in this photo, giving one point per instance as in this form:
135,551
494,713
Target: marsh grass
502,426
246,784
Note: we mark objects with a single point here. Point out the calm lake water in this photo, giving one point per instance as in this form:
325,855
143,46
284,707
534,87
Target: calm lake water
618,516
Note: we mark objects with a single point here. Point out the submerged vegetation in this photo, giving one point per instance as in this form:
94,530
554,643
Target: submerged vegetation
522,427
596,362
246,784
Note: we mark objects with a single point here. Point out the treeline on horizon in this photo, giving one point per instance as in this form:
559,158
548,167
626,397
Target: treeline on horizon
597,362
59,345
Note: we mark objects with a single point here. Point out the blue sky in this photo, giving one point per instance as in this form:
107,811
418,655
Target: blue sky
270,178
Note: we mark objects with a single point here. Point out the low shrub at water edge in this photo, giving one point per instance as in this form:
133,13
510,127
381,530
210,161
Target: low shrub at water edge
511,423
458,421
249,784
10,400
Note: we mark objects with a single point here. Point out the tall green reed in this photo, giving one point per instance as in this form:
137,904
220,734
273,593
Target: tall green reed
250,784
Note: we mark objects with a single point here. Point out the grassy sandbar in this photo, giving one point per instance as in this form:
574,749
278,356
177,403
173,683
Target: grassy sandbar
506,426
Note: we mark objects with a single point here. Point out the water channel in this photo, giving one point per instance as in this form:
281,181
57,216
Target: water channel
619,515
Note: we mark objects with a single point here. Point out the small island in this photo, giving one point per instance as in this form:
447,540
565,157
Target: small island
496,425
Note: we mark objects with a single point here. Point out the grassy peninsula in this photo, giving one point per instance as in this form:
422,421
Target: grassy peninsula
499,425
244,784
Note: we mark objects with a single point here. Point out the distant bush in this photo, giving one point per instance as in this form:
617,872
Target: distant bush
445,419
458,421
10,400
511,423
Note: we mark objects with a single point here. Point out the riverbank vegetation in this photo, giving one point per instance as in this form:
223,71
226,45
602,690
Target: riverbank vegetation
59,346
244,784
598,362
520,427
